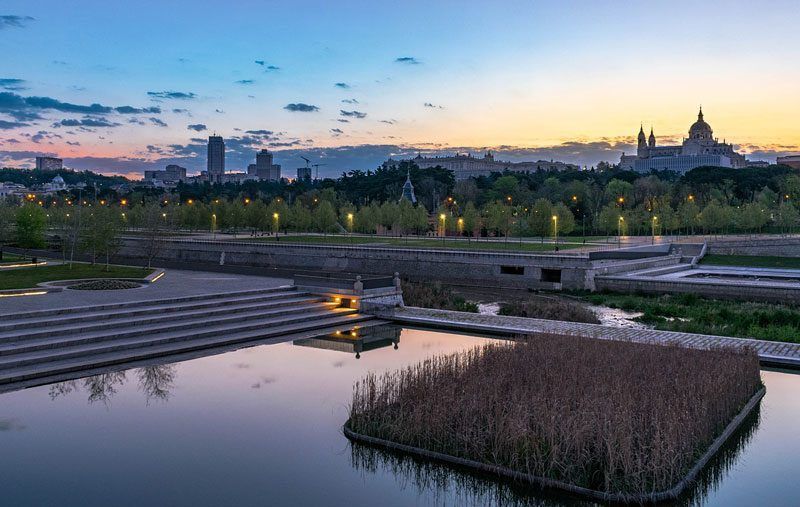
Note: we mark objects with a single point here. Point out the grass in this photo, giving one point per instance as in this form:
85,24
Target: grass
9,258
434,295
752,261
550,309
416,242
543,407
693,314
23,278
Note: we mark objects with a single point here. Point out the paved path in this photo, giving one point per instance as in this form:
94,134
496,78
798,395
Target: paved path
771,353
175,283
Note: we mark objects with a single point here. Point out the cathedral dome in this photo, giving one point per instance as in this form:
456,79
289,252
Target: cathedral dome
700,129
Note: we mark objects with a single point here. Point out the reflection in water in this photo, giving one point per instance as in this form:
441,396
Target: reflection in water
154,381
465,487
355,341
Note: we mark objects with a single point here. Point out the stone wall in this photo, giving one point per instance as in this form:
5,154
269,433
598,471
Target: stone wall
770,246
721,290
496,269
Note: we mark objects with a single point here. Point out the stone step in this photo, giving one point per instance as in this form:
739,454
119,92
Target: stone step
151,302
82,362
47,329
45,340
295,321
13,323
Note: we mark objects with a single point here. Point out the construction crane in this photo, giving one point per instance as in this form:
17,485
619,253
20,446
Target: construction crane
307,161
316,166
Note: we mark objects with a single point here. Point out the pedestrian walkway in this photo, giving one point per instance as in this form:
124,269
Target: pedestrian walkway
778,354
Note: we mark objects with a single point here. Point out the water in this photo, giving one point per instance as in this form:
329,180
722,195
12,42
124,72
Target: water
261,426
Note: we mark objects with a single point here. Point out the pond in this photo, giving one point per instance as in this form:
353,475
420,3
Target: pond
262,426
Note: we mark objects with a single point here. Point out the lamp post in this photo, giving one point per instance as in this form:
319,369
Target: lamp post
350,225
442,219
653,229
276,219
619,231
460,226
555,229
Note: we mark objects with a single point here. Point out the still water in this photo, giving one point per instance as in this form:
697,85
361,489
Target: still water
261,426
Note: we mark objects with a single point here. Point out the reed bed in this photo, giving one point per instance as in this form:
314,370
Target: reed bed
435,295
614,417
549,309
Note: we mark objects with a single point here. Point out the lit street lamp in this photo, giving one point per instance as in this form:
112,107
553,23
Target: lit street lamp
276,218
555,229
443,218
653,229
619,231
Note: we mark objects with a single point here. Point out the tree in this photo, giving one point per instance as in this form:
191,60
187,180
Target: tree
788,217
715,217
299,218
472,219
566,220
154,230
31,224
325,217
540,220
7,220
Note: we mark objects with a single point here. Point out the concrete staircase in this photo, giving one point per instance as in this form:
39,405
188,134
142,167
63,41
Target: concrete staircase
50,343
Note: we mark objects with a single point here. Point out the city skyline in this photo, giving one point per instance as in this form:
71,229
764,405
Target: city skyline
123,90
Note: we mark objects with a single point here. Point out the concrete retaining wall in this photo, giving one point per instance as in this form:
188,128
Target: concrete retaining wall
780,247
499,269
738,292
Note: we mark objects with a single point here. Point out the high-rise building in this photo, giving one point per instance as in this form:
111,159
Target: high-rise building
49,164
216,159
265,169
303,173
251,169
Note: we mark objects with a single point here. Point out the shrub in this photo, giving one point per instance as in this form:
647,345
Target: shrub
543,407
550,309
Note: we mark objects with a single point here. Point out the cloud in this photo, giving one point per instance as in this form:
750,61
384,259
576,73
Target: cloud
8,125
12,84
197,127
86,121
172,95
301,108
137,110
343,86
352,114
157,122
337,131
343,120
349,101
25,108
245,81
267,68
73,143
11,21
408,60
136,121
428,104
180,111
260,132
389,122
220,111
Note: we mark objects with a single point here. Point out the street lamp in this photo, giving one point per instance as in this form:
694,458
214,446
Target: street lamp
619,231
460,226
653,229
214,226
443,218
555,228
276,218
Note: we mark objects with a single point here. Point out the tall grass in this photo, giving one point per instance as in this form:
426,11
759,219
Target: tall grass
690,313
435,295
550,309
610,416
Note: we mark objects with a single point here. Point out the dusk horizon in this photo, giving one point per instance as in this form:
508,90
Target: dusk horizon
119,91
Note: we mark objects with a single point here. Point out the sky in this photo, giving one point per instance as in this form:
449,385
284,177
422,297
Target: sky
122,87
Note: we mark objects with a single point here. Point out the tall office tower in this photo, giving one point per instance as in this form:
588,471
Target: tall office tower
303,173
265,169
49,164
216,159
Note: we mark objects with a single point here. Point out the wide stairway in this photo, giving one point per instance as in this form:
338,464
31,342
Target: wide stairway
50,343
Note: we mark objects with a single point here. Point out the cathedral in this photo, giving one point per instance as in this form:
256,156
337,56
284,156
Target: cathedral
699,149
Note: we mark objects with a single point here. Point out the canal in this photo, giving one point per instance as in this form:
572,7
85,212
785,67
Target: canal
262,426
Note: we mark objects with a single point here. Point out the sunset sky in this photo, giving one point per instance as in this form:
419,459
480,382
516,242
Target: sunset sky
120,88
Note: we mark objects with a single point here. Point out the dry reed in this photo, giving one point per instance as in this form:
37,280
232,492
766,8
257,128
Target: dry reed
609,416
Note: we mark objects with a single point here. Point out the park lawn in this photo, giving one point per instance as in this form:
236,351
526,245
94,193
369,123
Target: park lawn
24,278
752,261
456,244
9,258
689,313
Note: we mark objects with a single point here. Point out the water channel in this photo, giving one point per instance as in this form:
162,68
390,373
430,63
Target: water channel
261,426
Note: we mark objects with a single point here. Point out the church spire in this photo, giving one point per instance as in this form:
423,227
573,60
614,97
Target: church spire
700,114
651,142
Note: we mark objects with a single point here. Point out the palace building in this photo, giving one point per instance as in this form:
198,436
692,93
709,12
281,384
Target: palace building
699,149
